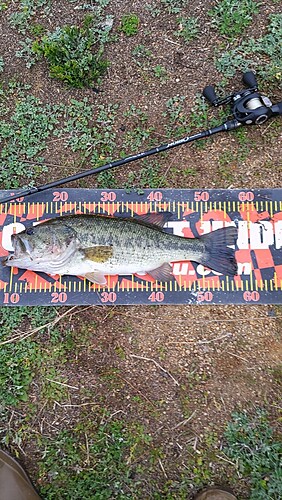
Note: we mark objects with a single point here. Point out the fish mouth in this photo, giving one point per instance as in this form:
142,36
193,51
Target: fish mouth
18,245
21,248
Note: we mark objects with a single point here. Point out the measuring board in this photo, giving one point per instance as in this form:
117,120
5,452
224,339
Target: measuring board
257,213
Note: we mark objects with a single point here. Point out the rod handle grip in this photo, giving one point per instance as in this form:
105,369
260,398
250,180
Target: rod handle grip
210,95
249,79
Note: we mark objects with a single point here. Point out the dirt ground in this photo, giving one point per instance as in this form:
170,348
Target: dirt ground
180,371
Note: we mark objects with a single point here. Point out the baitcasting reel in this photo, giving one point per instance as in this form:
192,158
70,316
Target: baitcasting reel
248,106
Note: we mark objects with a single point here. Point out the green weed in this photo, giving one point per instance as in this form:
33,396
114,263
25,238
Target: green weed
190,171
176,116
160,72
1,64
139,131
107,180
232,17
199,113
89,130
37,29
96,6
197,119
129,24
175,110
150,176
134,139
250,443
231,61
94,464
199,466
153,9
188,28
73,53
23,137
136,114
18,360
16,371
270,46
26,125
52,385
3,6
264,55
174,6
20,19
26,52
142,55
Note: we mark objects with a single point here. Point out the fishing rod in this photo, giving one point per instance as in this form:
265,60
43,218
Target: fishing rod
248,107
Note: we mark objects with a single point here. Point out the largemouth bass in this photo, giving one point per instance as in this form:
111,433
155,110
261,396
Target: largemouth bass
94,246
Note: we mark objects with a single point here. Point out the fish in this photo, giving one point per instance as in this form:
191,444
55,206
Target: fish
94,246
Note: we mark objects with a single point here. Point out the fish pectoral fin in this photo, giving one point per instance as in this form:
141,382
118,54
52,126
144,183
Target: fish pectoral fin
96,277
99,253
162,273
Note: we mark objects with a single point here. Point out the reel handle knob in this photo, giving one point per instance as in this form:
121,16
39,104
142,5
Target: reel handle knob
249,79
210,95
277,108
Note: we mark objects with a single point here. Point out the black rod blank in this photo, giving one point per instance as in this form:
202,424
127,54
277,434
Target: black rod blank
123,161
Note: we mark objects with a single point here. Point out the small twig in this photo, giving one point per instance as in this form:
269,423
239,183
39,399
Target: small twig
185,466
162,467
108,313
23,336
239,357
236,465
156,364
263,132
75,405
115,413
215,339
171,41
223,402
61,383
195,446
184,421
225,460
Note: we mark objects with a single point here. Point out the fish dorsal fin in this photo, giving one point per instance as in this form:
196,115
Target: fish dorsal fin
157,219
96,277
162,273
99,253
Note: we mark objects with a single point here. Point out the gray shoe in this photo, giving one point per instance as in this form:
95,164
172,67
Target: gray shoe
214,494
14,481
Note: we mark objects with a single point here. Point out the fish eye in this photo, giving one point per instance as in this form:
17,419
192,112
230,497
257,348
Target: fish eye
29,230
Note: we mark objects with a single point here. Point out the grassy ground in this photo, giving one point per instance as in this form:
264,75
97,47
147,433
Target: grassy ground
112,402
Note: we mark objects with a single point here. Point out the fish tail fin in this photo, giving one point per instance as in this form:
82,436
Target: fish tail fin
217,255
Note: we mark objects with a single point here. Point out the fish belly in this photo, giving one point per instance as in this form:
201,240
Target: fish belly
118,264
